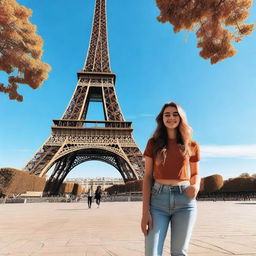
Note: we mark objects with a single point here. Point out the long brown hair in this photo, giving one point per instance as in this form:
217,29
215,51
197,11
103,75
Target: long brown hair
160,136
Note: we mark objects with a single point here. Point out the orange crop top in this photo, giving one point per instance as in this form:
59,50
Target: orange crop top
176,165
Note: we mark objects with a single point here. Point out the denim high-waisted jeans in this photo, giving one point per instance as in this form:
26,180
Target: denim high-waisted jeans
170,204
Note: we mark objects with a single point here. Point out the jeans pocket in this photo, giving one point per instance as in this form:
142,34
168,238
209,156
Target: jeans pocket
185,194
154,191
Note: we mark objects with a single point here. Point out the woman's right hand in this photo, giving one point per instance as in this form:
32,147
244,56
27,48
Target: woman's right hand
146,223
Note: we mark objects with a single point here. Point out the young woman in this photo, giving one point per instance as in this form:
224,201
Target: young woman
170,186
90,195
98,193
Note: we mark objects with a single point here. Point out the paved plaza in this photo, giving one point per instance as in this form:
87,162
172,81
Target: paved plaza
49,229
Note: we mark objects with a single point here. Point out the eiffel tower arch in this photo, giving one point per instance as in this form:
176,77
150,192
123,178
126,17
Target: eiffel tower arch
74,139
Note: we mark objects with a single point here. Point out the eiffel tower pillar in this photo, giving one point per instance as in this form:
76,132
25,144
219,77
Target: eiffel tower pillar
74,139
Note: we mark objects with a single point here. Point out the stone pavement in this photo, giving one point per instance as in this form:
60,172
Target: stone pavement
49,229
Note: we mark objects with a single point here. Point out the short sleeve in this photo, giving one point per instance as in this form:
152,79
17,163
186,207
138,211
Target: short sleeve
195,157
149,150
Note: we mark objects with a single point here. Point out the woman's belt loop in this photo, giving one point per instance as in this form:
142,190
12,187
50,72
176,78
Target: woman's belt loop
160,188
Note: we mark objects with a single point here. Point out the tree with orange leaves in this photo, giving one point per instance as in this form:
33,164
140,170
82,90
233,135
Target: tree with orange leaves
20,49
217,23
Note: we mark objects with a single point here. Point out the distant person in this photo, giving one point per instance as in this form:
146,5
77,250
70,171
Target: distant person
169,188
90,195
98,194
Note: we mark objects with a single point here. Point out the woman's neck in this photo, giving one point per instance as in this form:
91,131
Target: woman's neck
172,133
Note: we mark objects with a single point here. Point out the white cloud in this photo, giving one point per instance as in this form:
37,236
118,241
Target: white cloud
130,117
147,115
139,116
228,151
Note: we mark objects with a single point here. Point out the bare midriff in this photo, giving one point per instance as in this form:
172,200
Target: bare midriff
172,182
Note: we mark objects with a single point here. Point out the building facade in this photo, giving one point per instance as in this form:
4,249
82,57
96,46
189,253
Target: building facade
104,182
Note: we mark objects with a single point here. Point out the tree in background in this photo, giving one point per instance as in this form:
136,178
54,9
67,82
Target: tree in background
20,49
254,175
244,175
217,23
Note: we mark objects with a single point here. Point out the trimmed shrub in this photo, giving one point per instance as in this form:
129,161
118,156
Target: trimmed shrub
77,189
211,183
14,181
201,185
131,186
239,185
67,188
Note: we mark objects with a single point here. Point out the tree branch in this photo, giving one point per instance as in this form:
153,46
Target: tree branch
240,31
186,4
220,2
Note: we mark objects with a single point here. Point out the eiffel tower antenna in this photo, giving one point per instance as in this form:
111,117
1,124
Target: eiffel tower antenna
74,139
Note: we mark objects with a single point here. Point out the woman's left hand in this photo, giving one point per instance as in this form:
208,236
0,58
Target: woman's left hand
191,191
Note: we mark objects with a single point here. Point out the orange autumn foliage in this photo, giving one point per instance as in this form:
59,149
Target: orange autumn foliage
217,23
20,49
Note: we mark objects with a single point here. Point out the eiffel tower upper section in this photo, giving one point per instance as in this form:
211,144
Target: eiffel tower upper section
98,56
96,81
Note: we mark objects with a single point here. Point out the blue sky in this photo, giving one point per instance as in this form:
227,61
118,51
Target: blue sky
153,66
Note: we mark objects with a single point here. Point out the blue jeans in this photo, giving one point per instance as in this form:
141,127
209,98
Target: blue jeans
170,204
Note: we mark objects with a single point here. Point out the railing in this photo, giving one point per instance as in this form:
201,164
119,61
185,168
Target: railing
91,124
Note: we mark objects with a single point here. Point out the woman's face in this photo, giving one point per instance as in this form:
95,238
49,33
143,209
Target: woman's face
171,117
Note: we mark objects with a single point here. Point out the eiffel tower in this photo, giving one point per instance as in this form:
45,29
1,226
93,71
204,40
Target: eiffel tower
74,139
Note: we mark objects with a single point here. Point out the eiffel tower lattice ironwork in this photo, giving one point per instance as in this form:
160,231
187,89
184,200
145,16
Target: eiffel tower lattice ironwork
74,139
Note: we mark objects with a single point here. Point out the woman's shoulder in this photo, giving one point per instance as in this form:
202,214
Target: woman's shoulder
195,150
194,144
149,150
151,141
